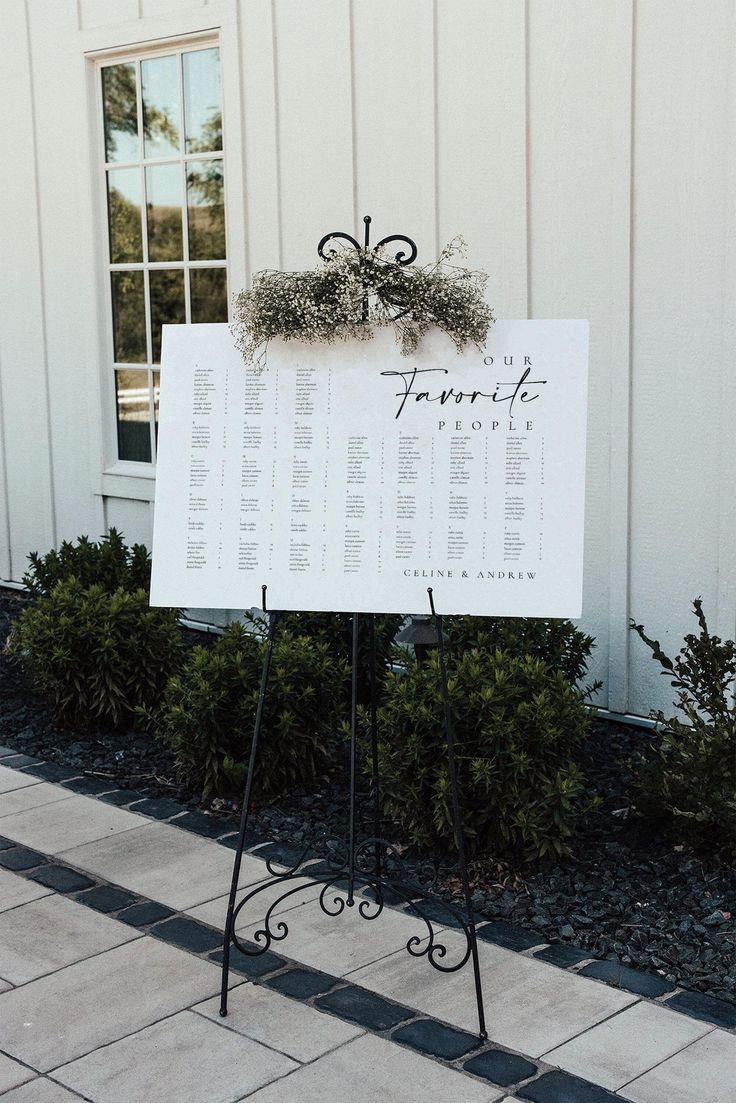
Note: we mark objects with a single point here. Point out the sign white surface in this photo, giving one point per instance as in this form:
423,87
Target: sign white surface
349,477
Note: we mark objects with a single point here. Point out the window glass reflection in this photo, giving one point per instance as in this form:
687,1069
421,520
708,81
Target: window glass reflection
167,303
208,293
160,96
121,113
202,110
163,203
124,215
134,416
128,317
206,210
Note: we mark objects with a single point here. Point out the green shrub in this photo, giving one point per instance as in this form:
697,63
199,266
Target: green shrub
557,642
109,564
692,777
335,631
207,712
96,656
516,724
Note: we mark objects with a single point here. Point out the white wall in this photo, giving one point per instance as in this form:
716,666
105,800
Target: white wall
585,149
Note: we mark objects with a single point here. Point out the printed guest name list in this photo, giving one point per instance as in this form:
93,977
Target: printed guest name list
347,476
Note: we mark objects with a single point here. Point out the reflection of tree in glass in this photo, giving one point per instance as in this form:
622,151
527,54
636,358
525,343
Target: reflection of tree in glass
206,210
208,294
129,317
121,112
125,228
167,303
210,135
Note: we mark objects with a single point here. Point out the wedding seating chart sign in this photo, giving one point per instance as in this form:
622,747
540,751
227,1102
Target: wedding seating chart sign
350,477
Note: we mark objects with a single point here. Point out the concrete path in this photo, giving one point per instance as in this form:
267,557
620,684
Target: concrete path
109,941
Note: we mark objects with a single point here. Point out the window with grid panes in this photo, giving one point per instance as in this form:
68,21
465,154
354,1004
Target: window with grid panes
166,219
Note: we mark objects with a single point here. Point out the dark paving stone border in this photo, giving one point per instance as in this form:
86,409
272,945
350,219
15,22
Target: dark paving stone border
560,1087
61,878
88,786
515,1073
19,858
51,771
500,1067
620,976
699,1005
364,1008
533,1080
509,935
433,1038
561,955
301,983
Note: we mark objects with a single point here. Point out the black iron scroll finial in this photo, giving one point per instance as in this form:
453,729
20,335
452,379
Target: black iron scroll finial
401,257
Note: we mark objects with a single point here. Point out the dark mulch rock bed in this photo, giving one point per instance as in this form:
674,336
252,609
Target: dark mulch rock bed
628,892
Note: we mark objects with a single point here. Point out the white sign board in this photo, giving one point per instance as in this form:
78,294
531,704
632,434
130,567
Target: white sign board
348,477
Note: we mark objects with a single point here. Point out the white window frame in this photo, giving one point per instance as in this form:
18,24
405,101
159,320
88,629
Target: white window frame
128,478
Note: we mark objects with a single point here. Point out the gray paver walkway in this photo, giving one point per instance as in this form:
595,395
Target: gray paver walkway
92,1007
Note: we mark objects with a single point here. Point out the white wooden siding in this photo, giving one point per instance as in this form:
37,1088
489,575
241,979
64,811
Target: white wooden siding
585,149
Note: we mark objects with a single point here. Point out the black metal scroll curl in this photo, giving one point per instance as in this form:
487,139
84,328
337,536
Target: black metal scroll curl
333,900
399,258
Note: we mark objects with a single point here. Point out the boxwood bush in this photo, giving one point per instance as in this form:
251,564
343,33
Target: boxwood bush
557,642
96,656
108,563
691,778
207,712
335,631
517,724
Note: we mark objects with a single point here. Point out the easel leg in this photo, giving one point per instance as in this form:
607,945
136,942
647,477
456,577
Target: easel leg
353,757
272,617
374,759
457,820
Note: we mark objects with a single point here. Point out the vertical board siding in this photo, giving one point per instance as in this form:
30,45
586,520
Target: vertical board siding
100,13
23,352
261,201
481,142
394,118
314,119
68,247
681,214
579,78
584,148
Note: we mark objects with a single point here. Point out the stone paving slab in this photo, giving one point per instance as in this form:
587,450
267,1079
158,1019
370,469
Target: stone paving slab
30,796
263,1015
63,1016
705,1072
47,934
41,1090
214,912
596,1039
165,863
373,1070
16,890
63,824
530,1006
14,779
12,1073
627,1045
341,943
183,1059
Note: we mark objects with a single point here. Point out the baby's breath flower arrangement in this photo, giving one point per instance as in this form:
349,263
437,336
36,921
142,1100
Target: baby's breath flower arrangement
354,290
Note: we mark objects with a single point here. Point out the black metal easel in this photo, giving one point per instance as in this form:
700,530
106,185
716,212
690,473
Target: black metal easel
372,863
